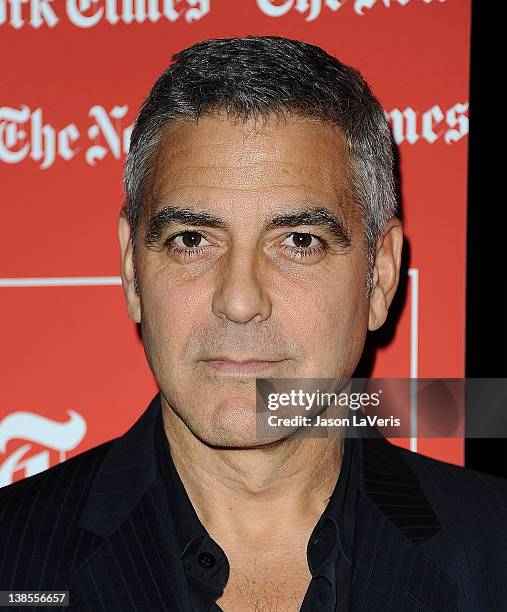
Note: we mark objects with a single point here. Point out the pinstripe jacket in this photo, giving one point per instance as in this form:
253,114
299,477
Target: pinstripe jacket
429,535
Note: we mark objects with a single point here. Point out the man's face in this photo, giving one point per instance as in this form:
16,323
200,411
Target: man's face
261,277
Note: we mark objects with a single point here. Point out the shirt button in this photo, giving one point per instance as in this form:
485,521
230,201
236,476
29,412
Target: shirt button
206,560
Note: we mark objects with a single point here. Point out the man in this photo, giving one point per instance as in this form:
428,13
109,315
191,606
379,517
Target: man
259,238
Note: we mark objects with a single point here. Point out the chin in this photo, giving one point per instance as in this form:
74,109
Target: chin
229,425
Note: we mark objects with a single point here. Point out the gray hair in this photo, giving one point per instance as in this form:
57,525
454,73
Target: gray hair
260,76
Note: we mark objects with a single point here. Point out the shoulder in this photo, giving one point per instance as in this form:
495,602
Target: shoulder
471,546
41,542
55,489
48,505
459,491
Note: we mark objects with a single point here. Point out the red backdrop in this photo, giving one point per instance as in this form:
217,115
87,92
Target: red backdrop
73,76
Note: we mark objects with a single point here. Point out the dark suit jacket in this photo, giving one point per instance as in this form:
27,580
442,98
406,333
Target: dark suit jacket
429,535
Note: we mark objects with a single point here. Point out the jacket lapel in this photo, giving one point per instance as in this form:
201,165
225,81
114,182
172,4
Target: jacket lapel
393,518
137,565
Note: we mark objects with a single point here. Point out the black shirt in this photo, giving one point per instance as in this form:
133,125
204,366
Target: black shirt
329,549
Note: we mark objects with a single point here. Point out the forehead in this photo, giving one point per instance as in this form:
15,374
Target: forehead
287,159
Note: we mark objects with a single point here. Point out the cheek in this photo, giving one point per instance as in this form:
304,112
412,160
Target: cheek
335,300
330,320
169,316
324,320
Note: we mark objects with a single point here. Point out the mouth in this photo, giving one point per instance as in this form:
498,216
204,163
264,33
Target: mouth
241,367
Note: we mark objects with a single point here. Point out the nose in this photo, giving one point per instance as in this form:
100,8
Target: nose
241,295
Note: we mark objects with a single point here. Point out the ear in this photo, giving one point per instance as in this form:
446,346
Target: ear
127,270
386,273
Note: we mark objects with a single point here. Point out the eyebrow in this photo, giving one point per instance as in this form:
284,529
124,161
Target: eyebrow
169,216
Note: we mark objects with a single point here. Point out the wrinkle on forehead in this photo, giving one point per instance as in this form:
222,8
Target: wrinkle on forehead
259,156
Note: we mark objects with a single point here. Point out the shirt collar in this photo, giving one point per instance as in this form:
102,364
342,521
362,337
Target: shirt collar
334,531
188,525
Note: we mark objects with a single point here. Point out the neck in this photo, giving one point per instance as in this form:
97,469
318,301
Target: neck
245,491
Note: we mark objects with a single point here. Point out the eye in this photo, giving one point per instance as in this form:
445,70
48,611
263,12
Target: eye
302,245
188,239
187,245
303,240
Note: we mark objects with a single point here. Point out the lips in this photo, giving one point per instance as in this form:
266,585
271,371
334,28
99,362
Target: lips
250,365
243,360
